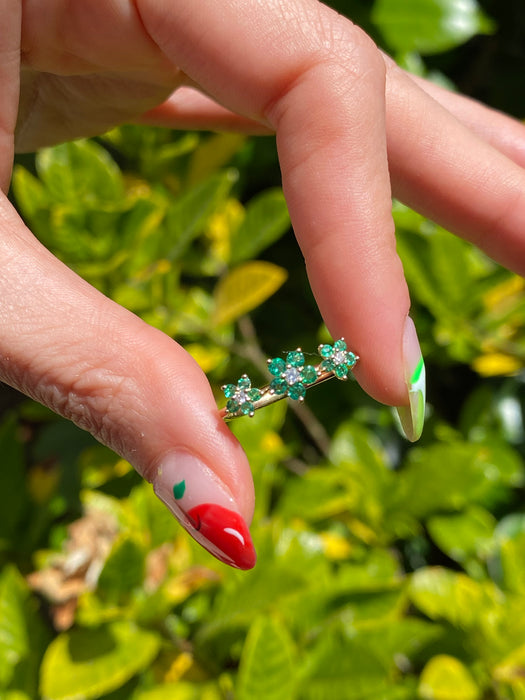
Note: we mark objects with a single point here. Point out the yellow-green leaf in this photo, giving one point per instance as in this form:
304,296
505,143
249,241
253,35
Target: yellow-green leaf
245,288
446,678
87,663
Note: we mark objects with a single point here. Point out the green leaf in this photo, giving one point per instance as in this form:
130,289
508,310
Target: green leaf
344,669
506,563
186,217
31,196
451,476
80,172
265,221
463,535
446,678
123,570
429,26
445,595
87,663
182,690
13,632
267,668
245,288
14,500
212,154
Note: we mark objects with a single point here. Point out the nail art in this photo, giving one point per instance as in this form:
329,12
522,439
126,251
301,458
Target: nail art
205,508
412,417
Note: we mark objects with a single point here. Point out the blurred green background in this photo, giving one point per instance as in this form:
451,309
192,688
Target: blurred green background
386,570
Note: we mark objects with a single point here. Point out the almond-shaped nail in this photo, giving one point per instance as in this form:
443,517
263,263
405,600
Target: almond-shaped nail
205,508
412,416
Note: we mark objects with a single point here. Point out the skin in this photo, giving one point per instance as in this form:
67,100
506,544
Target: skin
351,129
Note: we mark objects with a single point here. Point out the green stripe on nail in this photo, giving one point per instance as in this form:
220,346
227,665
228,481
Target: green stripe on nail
417,372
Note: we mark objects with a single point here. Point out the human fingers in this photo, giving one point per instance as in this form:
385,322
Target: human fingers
445,171
504,133
132,387
318,81
187,108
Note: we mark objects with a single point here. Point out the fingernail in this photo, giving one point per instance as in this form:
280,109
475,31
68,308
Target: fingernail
205,508
412,417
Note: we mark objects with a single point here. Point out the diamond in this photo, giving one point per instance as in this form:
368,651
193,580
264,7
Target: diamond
292,375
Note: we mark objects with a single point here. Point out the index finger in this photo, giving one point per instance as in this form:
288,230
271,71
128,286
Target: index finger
319,82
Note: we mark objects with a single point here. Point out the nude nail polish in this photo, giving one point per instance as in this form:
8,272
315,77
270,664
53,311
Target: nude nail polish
412,416
205,508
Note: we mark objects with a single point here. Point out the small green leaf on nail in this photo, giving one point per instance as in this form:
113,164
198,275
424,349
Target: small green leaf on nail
179,489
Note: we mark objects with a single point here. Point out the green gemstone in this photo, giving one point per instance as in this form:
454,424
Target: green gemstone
297,391
276,366
325,350
229,390
351,359
232,406
254,394
340,345
244,382
309,374
278,386
295,358
247,408
341,372
327,365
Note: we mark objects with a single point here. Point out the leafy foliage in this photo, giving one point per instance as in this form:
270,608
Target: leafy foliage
385,570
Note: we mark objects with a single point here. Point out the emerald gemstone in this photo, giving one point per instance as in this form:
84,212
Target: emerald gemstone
247,408
351,359
341,372
309,374
295,358
297,391
325,350
244,383
254,394
276,366
232,406
340,345
229,390
279,386
327,365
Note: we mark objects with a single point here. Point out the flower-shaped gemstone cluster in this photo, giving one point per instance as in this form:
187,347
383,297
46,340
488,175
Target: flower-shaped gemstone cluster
241,396
291,376
337,359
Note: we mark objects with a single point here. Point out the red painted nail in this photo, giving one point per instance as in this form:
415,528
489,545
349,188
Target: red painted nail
226,530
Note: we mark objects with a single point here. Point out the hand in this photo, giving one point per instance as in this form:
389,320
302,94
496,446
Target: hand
350,128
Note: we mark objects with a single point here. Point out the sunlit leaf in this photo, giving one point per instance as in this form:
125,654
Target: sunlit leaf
463,535
245,288
87,663
428,26
13,631
267,668
446,678
212,154
80,171
266,220
442,594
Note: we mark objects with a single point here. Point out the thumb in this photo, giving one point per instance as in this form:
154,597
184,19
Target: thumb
137,391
